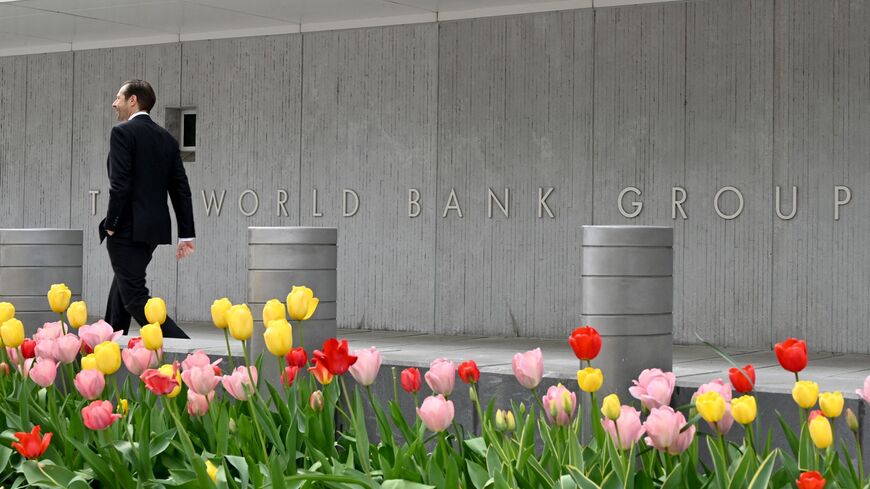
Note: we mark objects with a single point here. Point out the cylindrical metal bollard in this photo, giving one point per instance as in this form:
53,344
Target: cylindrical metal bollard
31,260
627,284
279,258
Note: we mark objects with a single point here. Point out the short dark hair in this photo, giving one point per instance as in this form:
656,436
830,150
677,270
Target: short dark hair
143,92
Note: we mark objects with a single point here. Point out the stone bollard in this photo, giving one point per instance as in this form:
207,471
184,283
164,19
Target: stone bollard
627,283
280,257
30,261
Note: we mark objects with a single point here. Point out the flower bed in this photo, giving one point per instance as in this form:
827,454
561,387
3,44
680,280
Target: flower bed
70,423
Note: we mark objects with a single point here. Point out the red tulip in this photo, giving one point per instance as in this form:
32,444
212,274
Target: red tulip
811,480
158,383
31,445
296,357
320,372
288,376
217,370
739,381
469,372
792,354
335,356
28,348
586,342
411,380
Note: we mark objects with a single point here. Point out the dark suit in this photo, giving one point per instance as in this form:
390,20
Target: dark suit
144,167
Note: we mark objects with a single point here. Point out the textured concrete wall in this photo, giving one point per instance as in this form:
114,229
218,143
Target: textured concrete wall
700,95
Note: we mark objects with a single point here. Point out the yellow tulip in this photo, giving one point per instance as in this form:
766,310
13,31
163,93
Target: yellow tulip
12,333
166,370
831,403
272,311
240,321
77,314
89,362
152,336
58,297
155,310
821,433
7,311
211,469
590,379
744,409
711,406
805,393
108,357
279,337
301,303
123,407
219,310
611,407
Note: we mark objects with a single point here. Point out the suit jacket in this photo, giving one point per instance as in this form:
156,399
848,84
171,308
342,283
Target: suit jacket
144,166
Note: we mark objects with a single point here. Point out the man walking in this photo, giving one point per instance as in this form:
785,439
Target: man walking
144,166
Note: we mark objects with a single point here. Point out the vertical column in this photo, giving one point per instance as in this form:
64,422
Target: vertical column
30,261
627,284
279,258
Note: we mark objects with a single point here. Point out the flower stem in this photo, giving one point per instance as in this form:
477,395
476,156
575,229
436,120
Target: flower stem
860,458
229,352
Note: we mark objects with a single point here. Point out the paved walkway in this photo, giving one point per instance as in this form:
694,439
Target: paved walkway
693,364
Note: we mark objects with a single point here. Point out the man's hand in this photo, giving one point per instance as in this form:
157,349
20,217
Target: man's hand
185,249
109,232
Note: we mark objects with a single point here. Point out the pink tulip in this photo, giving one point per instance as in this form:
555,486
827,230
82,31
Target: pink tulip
865,393
654,388
24,369
238,384
441,376
13,355
94,334
138,359
99,415
66,348
559,405
365,369
724,390
201,380
46,348
436,413
197,405
198,359
90,383
529,368
44,372
663,426
629,426
48,331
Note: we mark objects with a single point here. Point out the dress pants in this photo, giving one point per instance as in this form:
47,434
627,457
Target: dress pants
129,293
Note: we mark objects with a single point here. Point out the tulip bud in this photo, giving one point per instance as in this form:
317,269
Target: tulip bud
240,321
219,310
611,407
231,426
108,357
744,409
831,403
211,470
12,333
510,421
155,310
590,379
315,402
805,393
472,394
522,409
152,336
7,311
4,368
711,406
500,423
851,420
821,433
77,314
123,407
58,297
273,310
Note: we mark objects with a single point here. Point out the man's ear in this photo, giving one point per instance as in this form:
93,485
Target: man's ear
134,99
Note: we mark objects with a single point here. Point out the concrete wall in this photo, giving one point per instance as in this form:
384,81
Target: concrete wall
701,95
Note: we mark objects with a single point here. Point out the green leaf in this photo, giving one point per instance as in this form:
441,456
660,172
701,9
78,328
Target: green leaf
359,428
720,468
241,466
674,478
806,452
789,434
404,484
762,476
581,480
744,466
479,476
160,443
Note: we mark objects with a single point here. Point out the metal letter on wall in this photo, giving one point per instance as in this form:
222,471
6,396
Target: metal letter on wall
504,207
242,202
542,203
282,199
677,204
638,206
93,201
345,192
314,211
452,204
212,202
739,200
778,206
414,208
840,202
